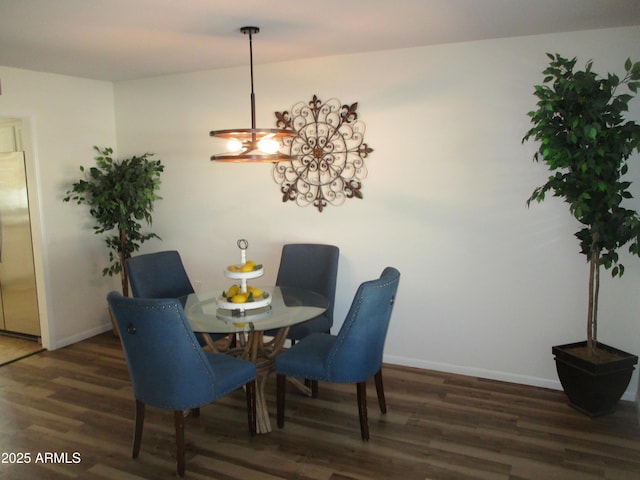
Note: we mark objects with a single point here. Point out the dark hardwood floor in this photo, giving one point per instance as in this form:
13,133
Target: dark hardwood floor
14,347
71,410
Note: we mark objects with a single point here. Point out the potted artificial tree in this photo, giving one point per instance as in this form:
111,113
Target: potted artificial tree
120,194
585,142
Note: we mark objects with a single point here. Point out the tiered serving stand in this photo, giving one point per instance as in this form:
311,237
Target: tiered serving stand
240,309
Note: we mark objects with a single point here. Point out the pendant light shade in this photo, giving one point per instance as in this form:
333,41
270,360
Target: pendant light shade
252,144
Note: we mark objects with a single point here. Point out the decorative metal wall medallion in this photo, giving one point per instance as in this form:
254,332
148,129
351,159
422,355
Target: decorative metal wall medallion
328,153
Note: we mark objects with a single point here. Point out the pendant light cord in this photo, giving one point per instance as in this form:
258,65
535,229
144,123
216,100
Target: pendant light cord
250,31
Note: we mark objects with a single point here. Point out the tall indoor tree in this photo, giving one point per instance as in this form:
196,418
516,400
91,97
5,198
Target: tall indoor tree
120,195
585,141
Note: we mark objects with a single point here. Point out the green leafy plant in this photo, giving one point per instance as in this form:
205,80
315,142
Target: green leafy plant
120,194
585,141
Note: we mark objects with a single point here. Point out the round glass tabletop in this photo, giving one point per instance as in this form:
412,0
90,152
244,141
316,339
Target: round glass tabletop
289,306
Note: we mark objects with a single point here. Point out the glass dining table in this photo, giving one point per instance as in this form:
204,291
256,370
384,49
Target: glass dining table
245,328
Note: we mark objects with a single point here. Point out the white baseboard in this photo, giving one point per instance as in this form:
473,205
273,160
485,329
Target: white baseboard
629,395
64,342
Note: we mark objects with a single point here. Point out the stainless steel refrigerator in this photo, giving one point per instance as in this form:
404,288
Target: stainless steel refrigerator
18,296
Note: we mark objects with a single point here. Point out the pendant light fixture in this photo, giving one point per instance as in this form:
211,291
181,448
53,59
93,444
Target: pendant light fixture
252,144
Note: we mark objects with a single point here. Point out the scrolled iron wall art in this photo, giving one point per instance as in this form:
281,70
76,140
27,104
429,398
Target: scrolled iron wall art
328,153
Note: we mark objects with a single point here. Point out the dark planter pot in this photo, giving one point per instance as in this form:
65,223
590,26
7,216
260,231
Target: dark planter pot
593,388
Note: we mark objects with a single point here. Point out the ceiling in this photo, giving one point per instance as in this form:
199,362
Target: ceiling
127,39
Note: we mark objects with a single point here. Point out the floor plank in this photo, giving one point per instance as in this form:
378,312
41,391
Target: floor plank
13,348
78,401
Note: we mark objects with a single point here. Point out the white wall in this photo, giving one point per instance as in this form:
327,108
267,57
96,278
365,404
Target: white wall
62,117
487,286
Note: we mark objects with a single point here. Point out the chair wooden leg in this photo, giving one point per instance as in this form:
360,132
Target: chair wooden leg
195,412
380,391
179,421
251,406
137,434
281,381
362,410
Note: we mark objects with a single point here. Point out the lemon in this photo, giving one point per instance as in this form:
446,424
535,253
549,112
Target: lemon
251,262
247,267
233,289
232,268
238,298
256,292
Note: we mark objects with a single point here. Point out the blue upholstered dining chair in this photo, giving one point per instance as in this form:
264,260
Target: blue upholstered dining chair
158,275
354,355
161,275
168,368
313,267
